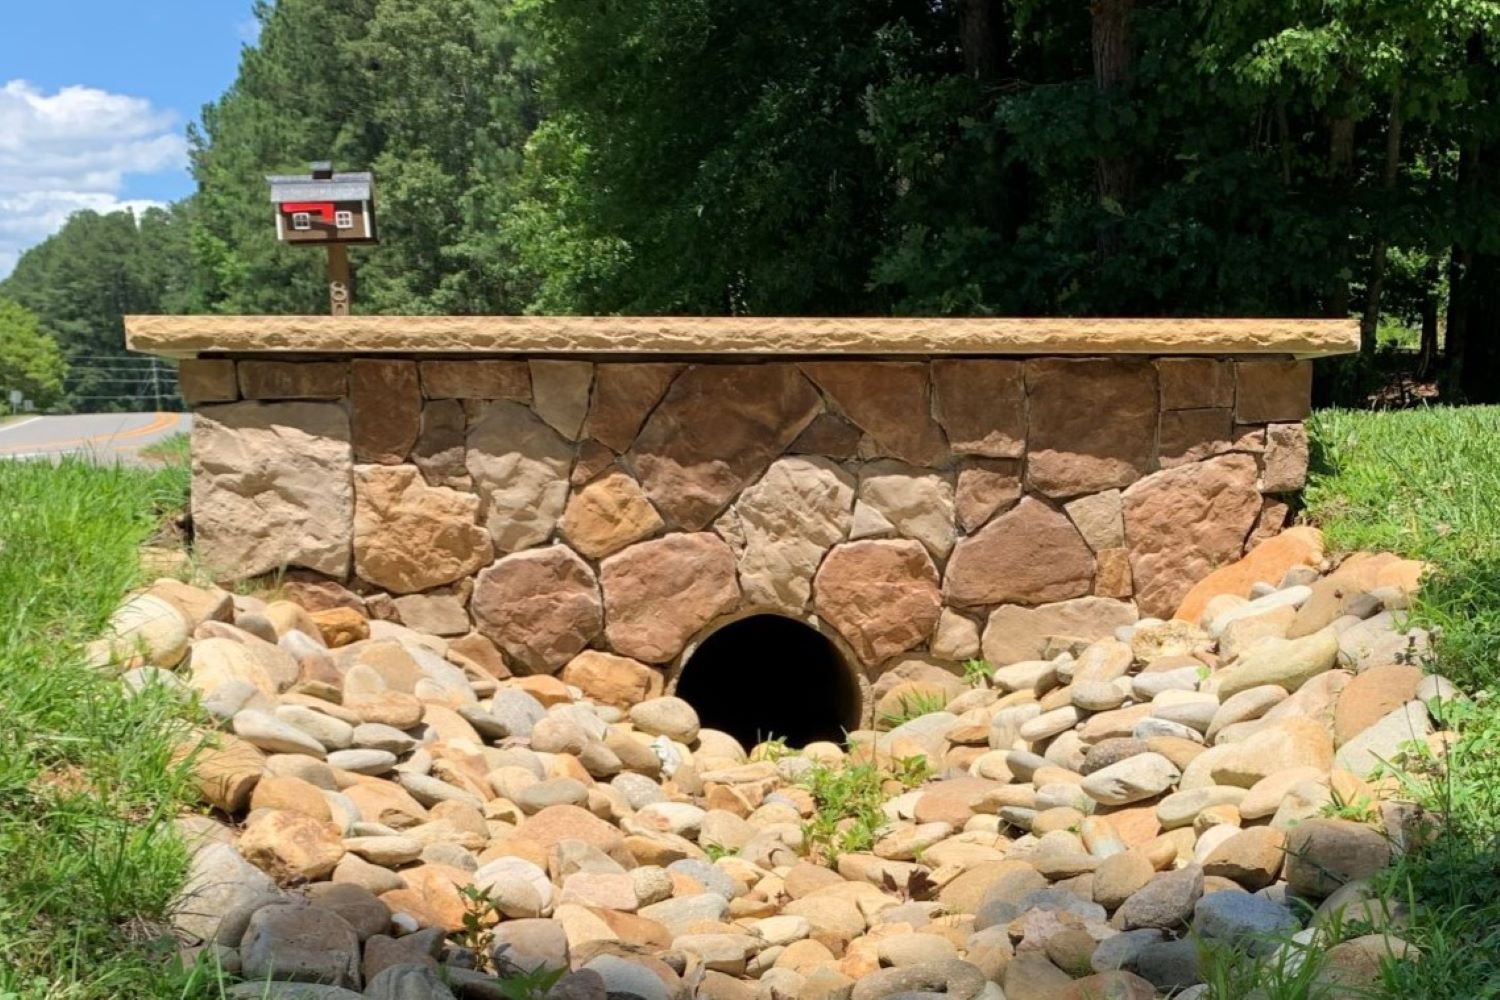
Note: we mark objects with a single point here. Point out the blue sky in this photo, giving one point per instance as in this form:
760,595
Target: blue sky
95,99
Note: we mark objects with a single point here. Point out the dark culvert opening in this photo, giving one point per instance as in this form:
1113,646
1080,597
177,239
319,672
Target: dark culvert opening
767,676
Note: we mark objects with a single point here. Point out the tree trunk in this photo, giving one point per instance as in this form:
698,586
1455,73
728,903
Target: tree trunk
980,26
1115,172
1371,319
1340,174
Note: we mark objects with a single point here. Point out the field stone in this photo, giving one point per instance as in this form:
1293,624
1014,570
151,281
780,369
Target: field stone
670,717
658,594
1287,663
1250,923
902,573
520,470
542,606
408,982
220,894
1384,741
301,943
1133,779
1371,695
623,977
1323,854
1166,902
1170,966
273,735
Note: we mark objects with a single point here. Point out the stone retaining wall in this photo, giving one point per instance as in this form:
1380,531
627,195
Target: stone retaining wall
939,508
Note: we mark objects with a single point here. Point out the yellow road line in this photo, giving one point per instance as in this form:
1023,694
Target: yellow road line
161,422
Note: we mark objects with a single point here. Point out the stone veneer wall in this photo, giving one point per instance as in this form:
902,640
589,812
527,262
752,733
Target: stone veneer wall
941,508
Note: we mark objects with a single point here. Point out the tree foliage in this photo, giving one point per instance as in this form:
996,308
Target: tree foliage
1126,157
30,361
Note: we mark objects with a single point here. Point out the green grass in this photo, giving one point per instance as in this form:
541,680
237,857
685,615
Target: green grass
88,863
1426,484
175,449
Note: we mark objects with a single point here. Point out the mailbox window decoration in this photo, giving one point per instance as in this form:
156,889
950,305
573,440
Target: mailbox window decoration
324,207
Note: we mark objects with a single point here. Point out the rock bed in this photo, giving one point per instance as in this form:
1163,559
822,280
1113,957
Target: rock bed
1085,820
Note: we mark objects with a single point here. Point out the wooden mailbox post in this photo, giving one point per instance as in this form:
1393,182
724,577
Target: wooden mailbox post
330,209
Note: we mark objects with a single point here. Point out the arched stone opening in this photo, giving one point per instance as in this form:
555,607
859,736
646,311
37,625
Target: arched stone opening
765,676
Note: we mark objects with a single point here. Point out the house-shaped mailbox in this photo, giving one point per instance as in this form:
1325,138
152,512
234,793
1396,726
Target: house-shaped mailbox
324,207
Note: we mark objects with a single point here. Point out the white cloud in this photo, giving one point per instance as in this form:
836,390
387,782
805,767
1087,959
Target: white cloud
72,150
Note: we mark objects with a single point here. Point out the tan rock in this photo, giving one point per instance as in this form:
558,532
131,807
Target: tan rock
881,596
1323,854
1013,633
915,502
1274,515
564,822
1097,518
272,487
224,769
955,638
1372,695
1029,555
1268,391
341,626
612,680
289,845
1195,383
1112,574
658,594
1361,573
1286,663
781,528
542,607
608,514
290,795
385,409
433,613
1092,424
560,393
889,401
474,379
409,536
520,468
982,406
715,431
1183,522
985,487
1251,857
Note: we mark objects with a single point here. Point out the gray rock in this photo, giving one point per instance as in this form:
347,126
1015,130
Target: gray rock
1165,902
300,943
264,730
1169,965
378,736
223,891
623,976
290,991
710,877
1120,951
680,913
639,790
517,712
408,982
363,761
1054,900
1250,923
952,978
585,984
422,947
1380,640
1384,740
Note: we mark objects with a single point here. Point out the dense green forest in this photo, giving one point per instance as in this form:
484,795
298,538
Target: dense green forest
1125,157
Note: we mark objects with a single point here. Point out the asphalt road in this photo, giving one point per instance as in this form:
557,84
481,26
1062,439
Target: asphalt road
107,437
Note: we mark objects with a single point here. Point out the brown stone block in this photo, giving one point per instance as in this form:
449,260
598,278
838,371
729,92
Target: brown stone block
1285,465
1182,523
623,396
829,435
439,448
293,379
1267,391
385,409
409,536
476,379
715,432
1092,424
1112,574
881,596
890,401
1195,383
1029,555
207,381
659,594
982,406
986,486
1193,435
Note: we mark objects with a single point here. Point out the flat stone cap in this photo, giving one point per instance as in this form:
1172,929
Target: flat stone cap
193,336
